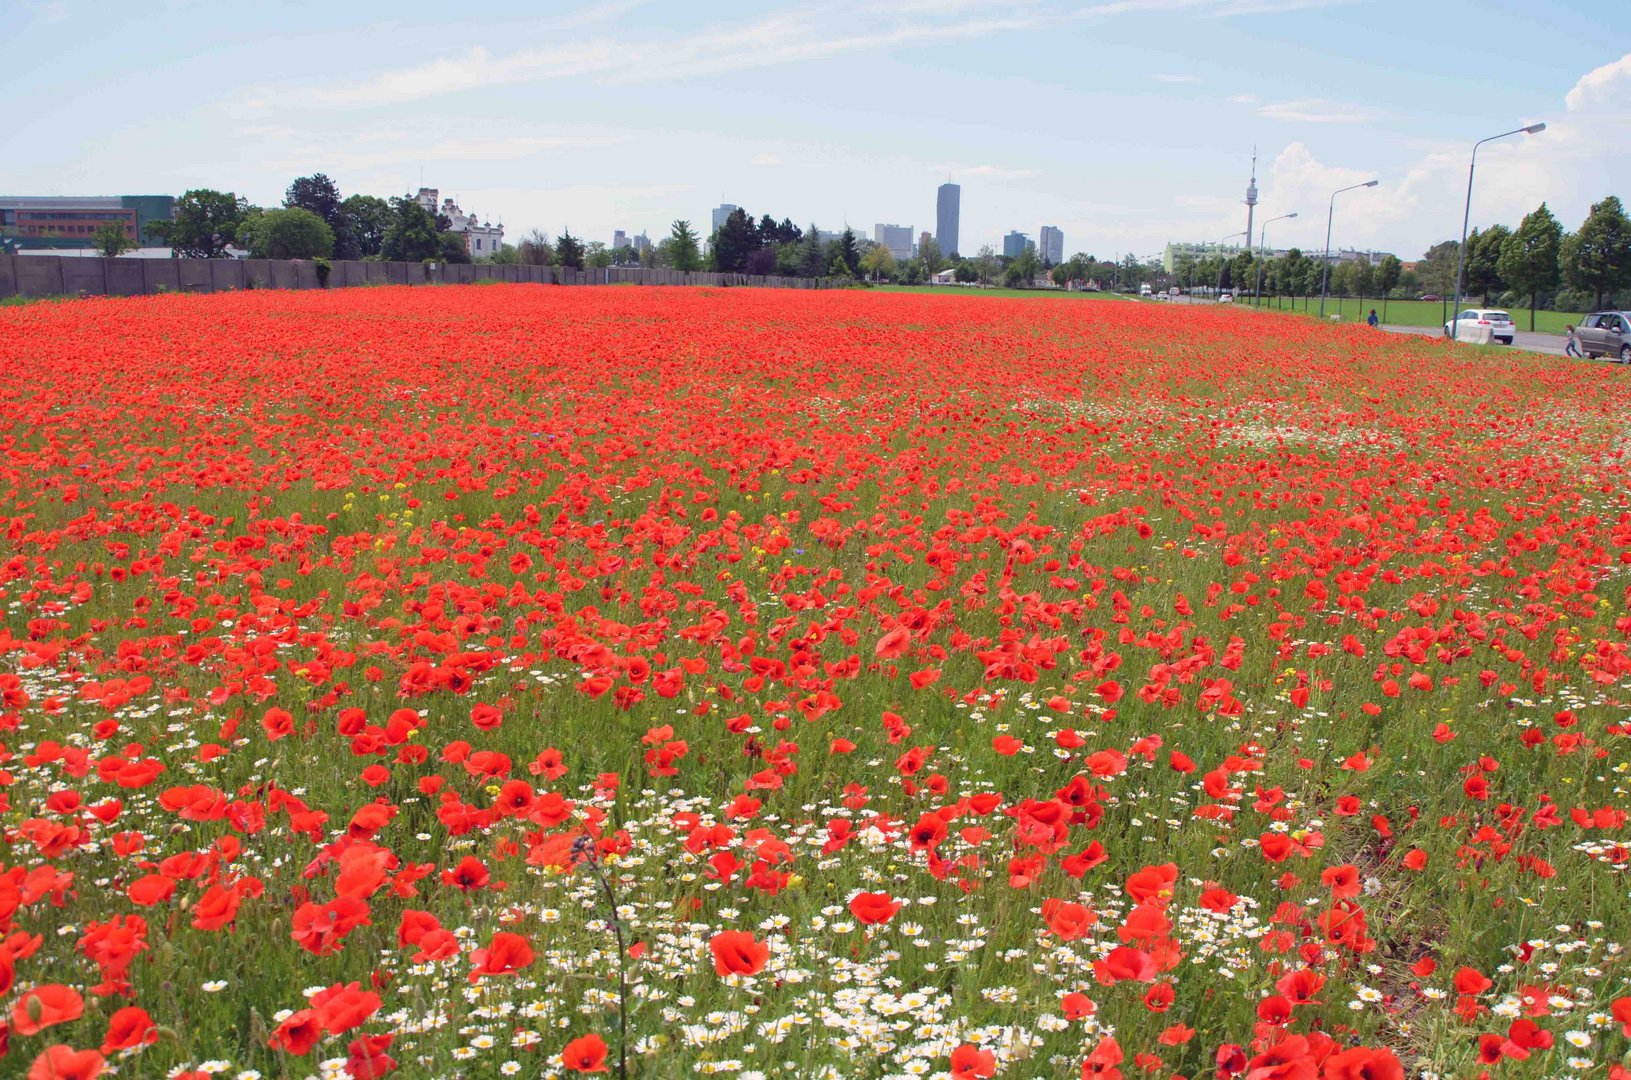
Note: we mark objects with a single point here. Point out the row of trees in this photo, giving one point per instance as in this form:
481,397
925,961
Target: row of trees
1537,265
314,222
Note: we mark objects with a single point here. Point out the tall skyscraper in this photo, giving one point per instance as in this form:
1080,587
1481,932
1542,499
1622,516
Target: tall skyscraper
947,207
897,238
619,239
1052,245
721,212
1014,245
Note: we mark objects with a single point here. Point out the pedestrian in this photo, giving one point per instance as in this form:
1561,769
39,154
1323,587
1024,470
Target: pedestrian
1373,320
1572,346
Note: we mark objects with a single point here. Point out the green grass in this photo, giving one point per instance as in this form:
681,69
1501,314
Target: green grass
1019,294
1429,313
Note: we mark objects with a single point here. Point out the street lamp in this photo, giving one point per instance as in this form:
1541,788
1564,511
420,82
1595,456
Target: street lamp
1222,261
1262,239
1461,252
1325,271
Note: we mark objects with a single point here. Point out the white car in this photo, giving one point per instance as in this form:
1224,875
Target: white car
1226,298
1499,322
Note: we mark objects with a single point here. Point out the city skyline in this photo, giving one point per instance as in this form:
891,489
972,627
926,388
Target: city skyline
533,118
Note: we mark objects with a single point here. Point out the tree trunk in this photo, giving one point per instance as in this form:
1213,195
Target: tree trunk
1532,300
1384,307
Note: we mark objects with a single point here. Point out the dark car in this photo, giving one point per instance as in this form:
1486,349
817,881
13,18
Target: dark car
1606,333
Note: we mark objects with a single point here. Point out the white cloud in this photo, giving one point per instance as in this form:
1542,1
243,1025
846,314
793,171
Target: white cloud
803,34
766,160
385,148
1606,85
1320,111
1176,79
999,172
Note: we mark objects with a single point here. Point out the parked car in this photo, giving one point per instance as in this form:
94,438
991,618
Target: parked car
1226,298
1435,297
1499,323
1606,333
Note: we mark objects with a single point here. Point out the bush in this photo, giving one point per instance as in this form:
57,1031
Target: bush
324,269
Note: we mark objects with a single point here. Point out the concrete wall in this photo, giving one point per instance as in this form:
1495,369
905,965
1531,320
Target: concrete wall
52,275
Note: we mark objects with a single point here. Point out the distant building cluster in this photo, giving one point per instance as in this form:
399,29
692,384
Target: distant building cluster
1177,251
69,222
896,238
1052,244
480,238
1015,244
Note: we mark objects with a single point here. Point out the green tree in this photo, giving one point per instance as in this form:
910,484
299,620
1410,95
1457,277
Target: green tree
1388,272
733,242
986,264
111,240
366,218
878,262
1529,257
1484,261
410,233
934,260
205,224
684,250
812,254
1597,259
850,251
597,255
569,250
536,249
455,247
321,196
506,255
286,234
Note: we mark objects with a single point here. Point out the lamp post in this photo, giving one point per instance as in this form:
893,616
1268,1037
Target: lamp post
1262,240
1223,262
1461,252
1325,271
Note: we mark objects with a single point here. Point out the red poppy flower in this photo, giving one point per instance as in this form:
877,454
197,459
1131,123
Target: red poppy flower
870,909
969,1062
737,953
585,1054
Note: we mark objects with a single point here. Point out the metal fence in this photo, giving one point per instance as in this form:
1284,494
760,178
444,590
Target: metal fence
57,275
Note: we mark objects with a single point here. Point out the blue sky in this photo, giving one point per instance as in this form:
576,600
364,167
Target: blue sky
1124,123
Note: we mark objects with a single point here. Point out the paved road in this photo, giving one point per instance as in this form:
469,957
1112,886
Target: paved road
1551,344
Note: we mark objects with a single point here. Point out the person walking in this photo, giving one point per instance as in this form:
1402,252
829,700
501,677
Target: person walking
1373,321
1572,346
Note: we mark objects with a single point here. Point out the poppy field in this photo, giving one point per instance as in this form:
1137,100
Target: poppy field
527,681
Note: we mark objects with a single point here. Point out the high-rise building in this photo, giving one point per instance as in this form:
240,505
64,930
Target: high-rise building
947,208
721,212
897,238
641,242
1052,245
1014,245
619,239
923,239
